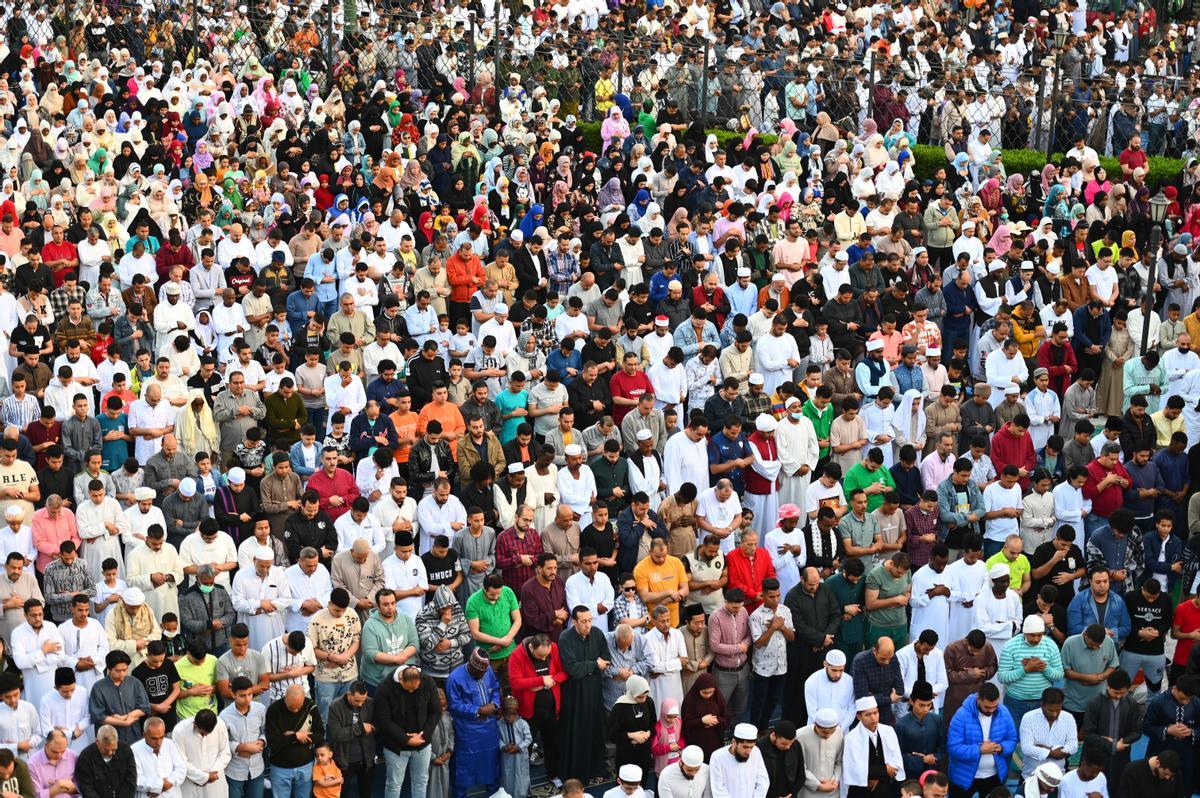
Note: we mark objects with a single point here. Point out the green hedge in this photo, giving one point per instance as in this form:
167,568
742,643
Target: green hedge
929,157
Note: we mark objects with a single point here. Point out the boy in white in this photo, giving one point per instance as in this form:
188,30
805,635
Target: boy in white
405,574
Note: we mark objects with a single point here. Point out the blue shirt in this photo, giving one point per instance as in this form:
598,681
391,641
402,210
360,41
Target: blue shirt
298,307
721,450
742,300
316,270
420,321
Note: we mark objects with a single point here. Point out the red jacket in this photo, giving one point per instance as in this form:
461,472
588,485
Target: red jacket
464,275
341,484
749,575
1007,449
756,483
523,678
1057,362
1109,499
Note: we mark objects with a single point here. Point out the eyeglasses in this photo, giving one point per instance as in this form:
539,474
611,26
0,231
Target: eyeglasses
628,589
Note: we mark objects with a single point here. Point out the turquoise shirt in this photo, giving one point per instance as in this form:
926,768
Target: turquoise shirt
1011,668
506,402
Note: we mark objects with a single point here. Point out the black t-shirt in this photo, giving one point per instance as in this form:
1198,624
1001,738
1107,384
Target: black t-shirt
441,570
604,541
1157,614
158,683
1072,562
25,339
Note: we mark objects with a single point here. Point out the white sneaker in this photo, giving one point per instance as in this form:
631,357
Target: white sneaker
556,781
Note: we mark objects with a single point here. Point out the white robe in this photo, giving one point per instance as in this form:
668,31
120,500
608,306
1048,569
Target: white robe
226,320
203,754
1041,405
797,441
18,725
536,487
152,768
435,519
646,481
90,641
1177,365
685,461
1069,506
98,543
819,693
856,750
771,355
931,613
194,551
665,665
998,617
352,397
878,421
67,716
765,506
935,672
965,583
578,493
249,590
143,562
787,565
1000,370
1074,787
138,524
37,667
302,587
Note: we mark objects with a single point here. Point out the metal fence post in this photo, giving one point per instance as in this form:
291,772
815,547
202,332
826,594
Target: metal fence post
1054,100
1041,109
620,64
195,54
331,47
702,100
871,85
470,53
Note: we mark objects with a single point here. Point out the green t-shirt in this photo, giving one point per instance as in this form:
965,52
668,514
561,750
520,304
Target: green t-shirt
879,579
191,675
494,619
859,477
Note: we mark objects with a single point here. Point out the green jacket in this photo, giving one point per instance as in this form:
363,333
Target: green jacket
821,422
381,637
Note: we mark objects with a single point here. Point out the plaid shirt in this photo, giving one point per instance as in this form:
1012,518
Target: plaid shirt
725,633
919,523
60,298
509,548
756,405
564,270
543,333
62,582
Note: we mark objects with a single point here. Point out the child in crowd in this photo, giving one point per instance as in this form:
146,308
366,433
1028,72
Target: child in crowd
515,739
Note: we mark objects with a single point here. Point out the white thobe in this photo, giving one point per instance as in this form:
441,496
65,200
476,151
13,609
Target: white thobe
578,492
591,593
138,524
1041,405
878,421
730,778
168,317
18,725
143,562
152,768
302,587
67,715
771,355
819,693
204,754
99,543
1176,365
856,751
685,461
195,551
536,487
930,613
37,667
143,416
965,583
665,665
998,617
387,512
646,480
20,542
1000,369
797,442
1069,506
89,642
435,519
370,478
670,385
935,672
249,590
787,565
348,530
765,506
352,397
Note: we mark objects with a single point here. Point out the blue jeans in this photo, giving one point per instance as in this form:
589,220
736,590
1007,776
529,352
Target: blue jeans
1092,524
765,694
326,693
291,782
990,547
399,764
252,788
1017,707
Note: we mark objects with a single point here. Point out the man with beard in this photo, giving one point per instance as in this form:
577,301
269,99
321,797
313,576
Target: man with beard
738,771
816,615
831,688
585,656
686,778
871,761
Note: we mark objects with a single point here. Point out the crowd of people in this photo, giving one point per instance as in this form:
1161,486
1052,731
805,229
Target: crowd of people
387,421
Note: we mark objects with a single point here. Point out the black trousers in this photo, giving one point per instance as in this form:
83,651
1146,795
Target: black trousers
362,776
980,786
458,311
544,727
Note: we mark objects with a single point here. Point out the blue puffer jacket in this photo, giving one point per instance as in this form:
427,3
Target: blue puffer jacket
965,735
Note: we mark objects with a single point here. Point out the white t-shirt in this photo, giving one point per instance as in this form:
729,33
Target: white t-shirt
1103,280
406,575
987,762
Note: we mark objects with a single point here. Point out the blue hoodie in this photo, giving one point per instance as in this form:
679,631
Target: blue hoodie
965,735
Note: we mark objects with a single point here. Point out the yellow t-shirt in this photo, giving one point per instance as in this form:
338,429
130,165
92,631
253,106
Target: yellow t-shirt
657,578
320,771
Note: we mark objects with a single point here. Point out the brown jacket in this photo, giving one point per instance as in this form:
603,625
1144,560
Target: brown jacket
1076,295
843,385
276,492
468,456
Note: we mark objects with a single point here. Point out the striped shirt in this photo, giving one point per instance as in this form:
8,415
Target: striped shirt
21,412
726,633
279,659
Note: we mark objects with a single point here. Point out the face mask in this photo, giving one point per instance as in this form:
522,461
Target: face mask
169,635
797,416
1183,350
206,588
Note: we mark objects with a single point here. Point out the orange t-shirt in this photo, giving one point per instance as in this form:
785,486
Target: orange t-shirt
320,771
406,427
451,420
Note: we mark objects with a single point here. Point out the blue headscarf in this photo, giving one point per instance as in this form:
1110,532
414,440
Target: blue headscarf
532,220
1052,199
